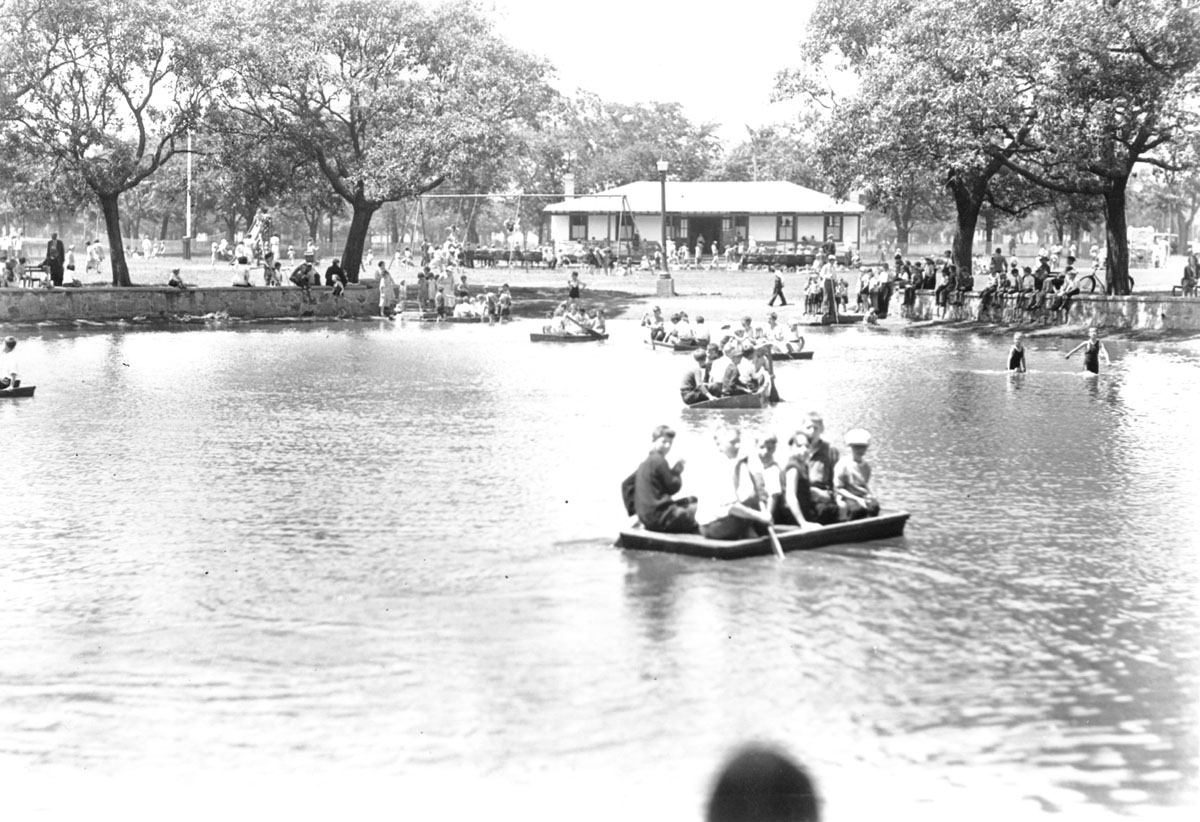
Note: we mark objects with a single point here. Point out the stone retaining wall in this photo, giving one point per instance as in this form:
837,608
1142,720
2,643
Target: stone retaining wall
1148,312
31,305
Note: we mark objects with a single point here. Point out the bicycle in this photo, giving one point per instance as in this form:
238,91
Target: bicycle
1090,283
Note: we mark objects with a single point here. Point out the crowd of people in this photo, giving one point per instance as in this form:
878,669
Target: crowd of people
739,492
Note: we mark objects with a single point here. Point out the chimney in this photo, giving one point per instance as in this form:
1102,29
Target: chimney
568,185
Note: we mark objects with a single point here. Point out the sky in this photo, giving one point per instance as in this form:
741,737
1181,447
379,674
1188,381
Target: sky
716,59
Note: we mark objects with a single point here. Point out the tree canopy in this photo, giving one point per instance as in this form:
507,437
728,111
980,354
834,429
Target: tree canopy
388,98
112,87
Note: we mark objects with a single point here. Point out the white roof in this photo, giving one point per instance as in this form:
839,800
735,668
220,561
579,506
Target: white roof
707,197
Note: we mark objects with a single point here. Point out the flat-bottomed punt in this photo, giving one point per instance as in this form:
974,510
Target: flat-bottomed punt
759,399
776,356
887,524
567,338
23,391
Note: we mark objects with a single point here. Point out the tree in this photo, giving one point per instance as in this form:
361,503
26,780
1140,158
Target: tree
782,151
941,93
389,98
1113,92
115,84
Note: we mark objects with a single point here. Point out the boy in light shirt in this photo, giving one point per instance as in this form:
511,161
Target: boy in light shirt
852,478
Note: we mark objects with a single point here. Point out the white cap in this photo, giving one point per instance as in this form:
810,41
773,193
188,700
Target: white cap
858,436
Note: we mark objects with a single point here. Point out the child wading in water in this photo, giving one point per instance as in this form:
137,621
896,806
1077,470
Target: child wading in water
1092,349
1016,355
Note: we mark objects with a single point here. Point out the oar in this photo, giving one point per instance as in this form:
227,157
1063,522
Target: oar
775,541
590,331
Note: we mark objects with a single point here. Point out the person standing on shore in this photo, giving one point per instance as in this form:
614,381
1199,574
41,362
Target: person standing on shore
1092,349
777,292
55,254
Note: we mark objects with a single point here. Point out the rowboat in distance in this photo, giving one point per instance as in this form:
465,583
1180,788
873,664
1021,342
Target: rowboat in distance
759,399
567,338
678,348
887,524
14,393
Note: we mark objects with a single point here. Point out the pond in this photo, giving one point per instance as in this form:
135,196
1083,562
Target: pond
371,564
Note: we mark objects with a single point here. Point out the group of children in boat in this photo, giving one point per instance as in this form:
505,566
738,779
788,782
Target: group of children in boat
569,318
738,494
737,360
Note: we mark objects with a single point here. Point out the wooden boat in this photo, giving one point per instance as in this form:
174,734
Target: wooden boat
567,338
676,347
23,391
887,524
759,399
791,355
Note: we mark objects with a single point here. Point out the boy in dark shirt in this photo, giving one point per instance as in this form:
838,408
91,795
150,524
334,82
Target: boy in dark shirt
653,485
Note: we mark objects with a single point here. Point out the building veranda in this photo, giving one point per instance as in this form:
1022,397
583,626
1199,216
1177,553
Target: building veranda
766,217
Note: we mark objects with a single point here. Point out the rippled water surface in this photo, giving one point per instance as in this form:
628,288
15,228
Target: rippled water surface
320,565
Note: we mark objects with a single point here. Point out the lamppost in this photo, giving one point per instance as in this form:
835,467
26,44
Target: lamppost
662,176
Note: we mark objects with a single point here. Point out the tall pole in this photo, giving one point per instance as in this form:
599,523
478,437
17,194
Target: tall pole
663,187
187,208
665,286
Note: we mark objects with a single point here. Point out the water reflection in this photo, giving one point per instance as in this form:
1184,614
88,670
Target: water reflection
388,547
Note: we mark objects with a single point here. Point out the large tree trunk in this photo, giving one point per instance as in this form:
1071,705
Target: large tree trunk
166,224
903,226
356,240
116,246
968,201
1117,232
231,222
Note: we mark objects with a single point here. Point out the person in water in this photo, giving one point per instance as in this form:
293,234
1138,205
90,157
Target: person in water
1092,349
1016,355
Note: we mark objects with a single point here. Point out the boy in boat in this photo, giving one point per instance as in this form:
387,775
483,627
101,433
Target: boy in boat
728,497
10,371
693,388
852,478
504,304
700,333
1093,348
731,378
821,458
653,320
649,491
1016,355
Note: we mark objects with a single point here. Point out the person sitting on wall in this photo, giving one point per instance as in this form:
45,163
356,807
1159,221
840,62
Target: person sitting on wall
176,280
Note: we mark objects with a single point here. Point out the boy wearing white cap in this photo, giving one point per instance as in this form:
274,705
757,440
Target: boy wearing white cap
852,478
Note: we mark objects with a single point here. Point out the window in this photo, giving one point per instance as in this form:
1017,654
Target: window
785,228
579,227
678,228
833,226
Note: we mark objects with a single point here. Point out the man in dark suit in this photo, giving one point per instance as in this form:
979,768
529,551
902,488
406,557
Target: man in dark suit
55,254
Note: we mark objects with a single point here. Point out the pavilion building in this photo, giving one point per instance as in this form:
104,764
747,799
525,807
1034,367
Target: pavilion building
769,214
